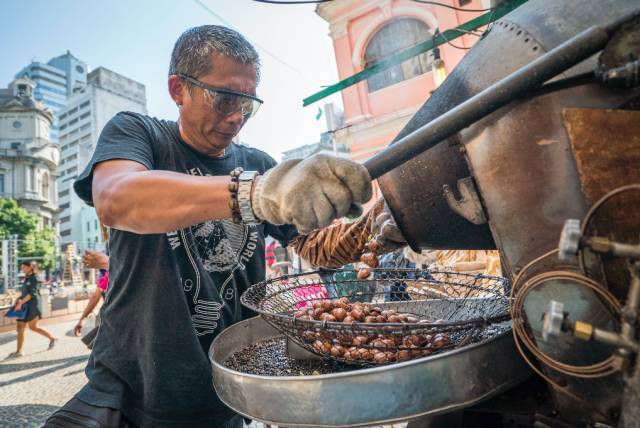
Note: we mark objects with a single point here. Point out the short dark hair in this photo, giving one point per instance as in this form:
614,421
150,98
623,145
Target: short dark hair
192,52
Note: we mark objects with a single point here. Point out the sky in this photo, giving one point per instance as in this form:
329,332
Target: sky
135,38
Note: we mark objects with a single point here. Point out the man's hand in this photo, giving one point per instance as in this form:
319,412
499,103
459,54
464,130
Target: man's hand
311,193
95,260
77,330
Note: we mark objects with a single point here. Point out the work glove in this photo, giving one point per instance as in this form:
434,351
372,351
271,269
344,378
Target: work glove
387,235
310,193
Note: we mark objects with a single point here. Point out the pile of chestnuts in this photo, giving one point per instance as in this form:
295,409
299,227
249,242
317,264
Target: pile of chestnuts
362,345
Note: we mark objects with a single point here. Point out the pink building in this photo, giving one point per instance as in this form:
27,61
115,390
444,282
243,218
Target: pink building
366,31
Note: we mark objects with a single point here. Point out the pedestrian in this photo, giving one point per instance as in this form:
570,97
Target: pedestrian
94,260
188,230
29,297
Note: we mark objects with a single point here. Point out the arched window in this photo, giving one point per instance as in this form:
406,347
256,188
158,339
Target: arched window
45,185
392,38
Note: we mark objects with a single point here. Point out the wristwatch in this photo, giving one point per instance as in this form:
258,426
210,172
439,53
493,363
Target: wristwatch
245,183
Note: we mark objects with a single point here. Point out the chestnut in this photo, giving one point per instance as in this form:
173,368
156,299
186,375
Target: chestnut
370,259
373,246
327,305
393,319
339,313
380,318
438,343
380,358
412,320
363,274
365,354
359,340
326,347
347,356
309,336
299,314
370,319
343,305
337,351
317,304
377,343
357,315
426,352
348,319
391,356
317,345
403,355
402,318
327,317
317,313
415,340
343,300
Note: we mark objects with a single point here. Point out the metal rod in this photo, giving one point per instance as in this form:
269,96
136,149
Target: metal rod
501,93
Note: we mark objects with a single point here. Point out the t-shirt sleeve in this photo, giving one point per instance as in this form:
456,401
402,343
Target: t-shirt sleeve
125,137
32,286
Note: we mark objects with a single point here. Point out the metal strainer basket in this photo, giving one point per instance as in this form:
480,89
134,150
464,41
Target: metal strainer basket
398,315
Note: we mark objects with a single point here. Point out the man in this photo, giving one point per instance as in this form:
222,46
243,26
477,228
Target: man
178,263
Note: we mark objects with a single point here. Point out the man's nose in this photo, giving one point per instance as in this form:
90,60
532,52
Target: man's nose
236,118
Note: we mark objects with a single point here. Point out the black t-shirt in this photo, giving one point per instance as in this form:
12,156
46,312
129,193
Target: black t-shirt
170,294
30,287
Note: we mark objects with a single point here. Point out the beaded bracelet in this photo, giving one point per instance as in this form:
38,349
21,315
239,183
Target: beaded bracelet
233,201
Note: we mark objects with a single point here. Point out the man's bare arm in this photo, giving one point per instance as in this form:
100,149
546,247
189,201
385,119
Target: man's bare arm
129,197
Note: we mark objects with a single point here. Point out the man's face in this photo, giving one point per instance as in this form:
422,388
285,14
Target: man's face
201,125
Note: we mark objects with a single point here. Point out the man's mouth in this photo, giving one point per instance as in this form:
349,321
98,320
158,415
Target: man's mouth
225,134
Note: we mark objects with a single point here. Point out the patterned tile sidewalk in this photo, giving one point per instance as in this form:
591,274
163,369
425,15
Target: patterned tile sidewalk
35,385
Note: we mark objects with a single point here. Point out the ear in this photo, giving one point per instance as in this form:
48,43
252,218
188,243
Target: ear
177,89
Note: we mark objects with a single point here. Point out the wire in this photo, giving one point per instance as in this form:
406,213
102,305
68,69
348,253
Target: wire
292,2
435,3
521,335
586,222
227,23
448,42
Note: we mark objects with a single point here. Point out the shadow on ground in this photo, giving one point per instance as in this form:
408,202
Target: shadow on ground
51,366
25,415
6,338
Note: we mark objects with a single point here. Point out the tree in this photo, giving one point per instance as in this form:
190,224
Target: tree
33,242
15,220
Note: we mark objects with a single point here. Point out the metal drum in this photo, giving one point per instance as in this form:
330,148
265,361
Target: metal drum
519,157
437,384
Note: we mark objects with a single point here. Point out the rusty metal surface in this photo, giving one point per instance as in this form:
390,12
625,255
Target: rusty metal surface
606,148
519,157
415,195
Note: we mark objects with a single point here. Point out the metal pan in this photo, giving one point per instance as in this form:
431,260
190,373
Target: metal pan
437,384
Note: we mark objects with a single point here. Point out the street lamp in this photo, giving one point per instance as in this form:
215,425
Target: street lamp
437,66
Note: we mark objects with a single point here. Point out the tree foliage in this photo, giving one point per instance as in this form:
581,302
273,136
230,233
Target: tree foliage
33,242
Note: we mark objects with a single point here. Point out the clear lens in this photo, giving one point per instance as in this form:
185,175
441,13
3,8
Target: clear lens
227,104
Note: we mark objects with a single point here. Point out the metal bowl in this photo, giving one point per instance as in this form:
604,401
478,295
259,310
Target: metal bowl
373,396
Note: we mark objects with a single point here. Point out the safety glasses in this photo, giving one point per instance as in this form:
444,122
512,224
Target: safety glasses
225,101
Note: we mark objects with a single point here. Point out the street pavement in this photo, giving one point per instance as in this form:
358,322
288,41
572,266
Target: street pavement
34,386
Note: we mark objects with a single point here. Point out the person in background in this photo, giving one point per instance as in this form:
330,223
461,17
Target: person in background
94,260
29,297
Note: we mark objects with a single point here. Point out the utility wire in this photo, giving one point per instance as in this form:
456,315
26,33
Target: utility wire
227,23
435,3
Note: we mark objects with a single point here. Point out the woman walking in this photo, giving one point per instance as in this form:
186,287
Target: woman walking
29,297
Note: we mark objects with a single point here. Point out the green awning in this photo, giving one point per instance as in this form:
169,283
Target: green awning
427,45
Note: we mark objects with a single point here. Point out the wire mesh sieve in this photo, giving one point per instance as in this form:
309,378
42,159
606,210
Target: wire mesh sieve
398,315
